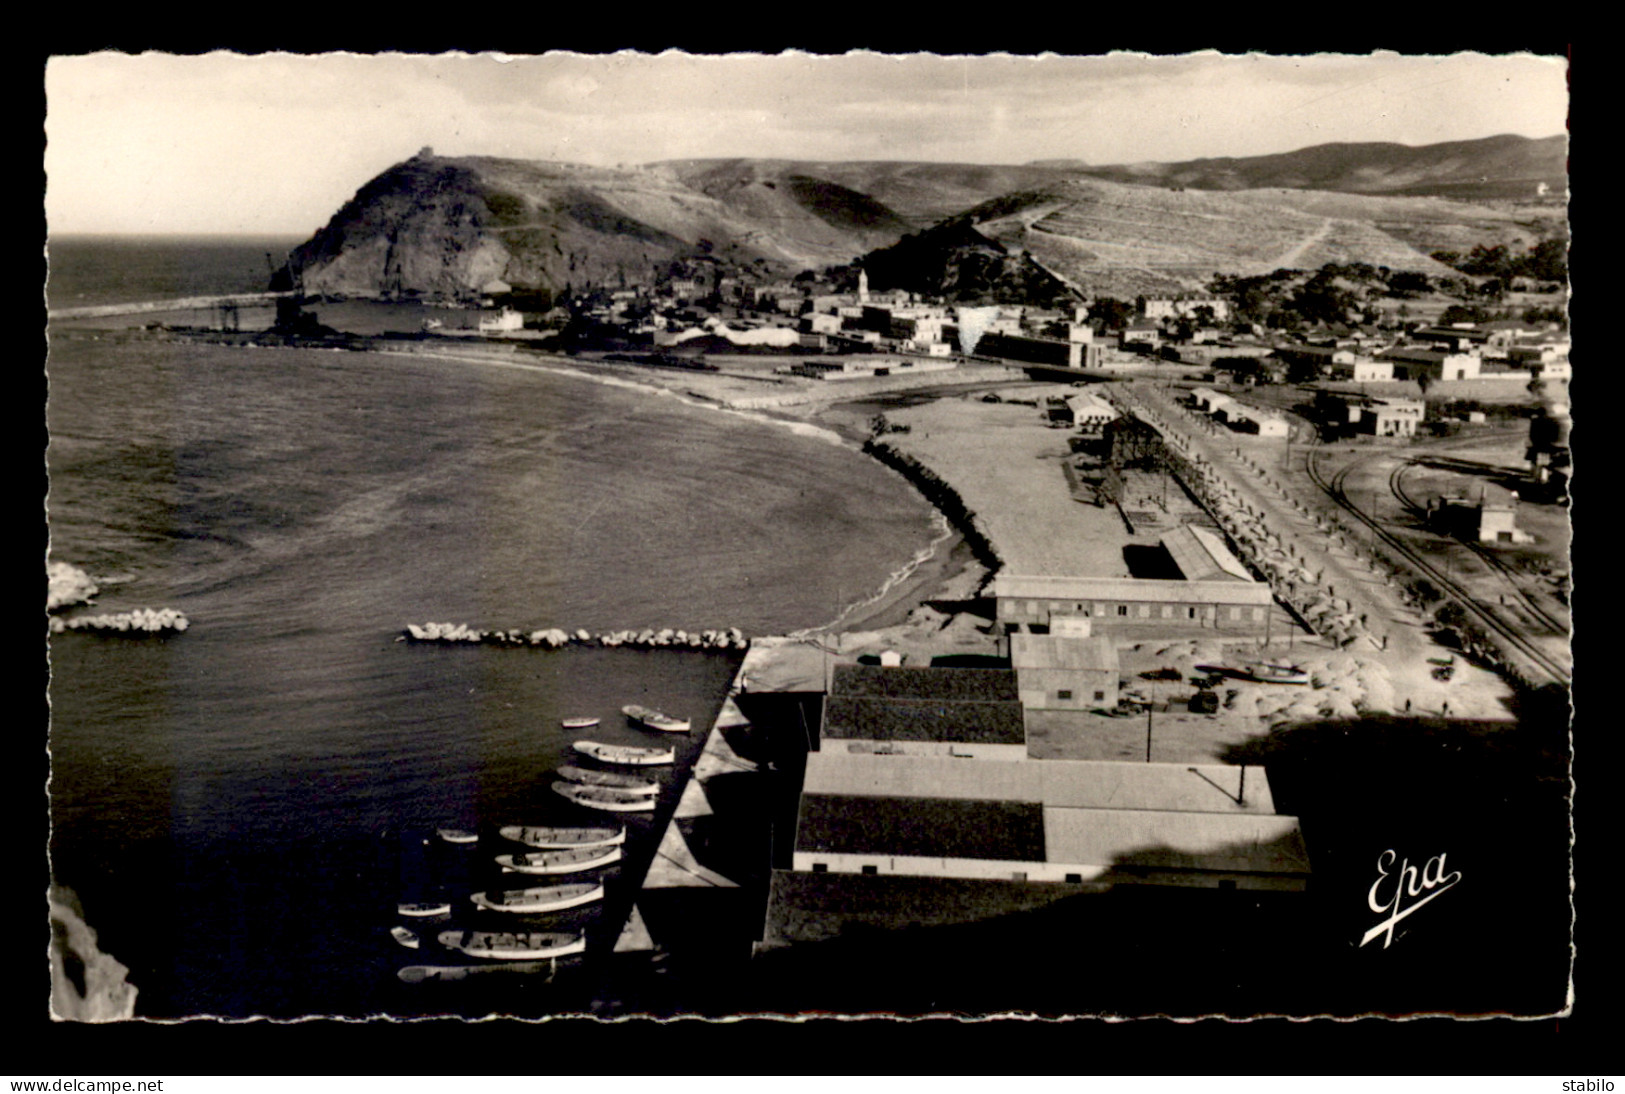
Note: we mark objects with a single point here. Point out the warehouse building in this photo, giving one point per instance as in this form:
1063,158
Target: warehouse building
1061,821
1200,555
1064,672
1123,605
951,712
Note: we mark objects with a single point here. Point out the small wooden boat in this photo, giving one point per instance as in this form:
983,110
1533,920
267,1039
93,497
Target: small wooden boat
579,723
626,754
650,718
459,835
552,898
614,779
1275,674
571,861
606,798
561,838
425,909
404,937
510,946
417,974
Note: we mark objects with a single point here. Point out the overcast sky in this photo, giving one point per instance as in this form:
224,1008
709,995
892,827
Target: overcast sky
274,144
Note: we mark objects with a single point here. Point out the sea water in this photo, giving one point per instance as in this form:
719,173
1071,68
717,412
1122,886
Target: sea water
240,807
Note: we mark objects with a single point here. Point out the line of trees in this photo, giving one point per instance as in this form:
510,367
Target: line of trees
1545,261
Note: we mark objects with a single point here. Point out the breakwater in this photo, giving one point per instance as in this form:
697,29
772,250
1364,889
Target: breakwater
189,303
941,495
553,638
138,622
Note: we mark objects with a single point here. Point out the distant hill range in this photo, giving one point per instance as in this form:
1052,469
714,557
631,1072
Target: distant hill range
463,226
1504,167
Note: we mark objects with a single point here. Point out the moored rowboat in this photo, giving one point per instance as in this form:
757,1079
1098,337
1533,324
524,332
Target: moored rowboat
653,719
570,861
560,838
626,754
579,723
552,898
507,946
606,798
632,783
459,835
404,937
427,909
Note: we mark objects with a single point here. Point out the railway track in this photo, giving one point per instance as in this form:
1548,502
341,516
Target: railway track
1514,638
1508,576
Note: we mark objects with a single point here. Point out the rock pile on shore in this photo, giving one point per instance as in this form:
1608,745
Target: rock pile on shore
140,621
67,585
553,638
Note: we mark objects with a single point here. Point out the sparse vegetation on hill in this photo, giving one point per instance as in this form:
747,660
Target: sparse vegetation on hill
477,226
1494,167
958,263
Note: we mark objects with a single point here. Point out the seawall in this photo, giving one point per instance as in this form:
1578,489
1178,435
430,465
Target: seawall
941,495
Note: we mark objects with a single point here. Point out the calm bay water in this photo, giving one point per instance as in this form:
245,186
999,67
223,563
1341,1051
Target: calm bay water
240,807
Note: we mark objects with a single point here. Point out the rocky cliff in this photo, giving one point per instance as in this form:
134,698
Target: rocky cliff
87,985
458,227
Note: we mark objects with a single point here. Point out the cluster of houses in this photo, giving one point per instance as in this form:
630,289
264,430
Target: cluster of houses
901,324
1187,329
810,316
1237,415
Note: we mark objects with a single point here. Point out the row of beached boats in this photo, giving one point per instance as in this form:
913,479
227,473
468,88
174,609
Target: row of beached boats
552,850
611,791
555,850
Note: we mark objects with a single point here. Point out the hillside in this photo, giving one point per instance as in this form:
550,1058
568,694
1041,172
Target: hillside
919,194
439,226
458,227
1117,239
1503,167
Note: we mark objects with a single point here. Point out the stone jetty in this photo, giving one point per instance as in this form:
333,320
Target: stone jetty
139,622
553,638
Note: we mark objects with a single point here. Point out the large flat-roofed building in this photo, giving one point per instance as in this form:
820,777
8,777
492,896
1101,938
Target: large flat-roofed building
1062,672
1039,351
1122,605
1165,307
1391,417
951,712
1439,365
1363,371
1058,821
1245,419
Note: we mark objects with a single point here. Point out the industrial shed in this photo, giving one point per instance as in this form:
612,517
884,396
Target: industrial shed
1047,820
